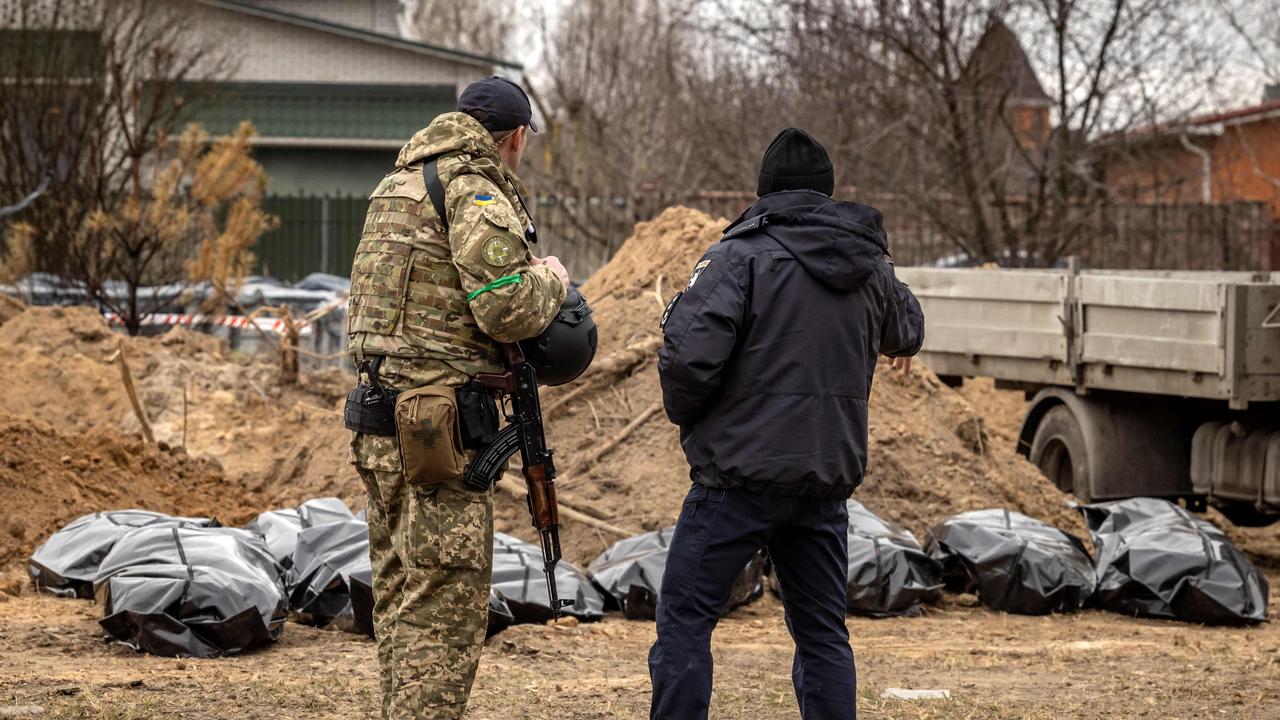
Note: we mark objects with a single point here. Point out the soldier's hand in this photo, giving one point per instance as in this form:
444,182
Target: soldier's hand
902,364
556,266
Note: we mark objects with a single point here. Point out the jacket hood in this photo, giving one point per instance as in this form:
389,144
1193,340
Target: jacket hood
449,133
839,243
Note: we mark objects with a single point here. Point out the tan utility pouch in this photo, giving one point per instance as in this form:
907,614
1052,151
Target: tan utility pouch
430,438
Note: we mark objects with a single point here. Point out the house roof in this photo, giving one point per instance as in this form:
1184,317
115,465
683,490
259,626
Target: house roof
1237,116
246,8
999,62
1208,124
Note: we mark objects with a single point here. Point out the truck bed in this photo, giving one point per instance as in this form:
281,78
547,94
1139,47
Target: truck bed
1212,335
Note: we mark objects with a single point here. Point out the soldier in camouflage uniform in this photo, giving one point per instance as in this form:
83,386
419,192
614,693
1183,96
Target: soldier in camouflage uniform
434,305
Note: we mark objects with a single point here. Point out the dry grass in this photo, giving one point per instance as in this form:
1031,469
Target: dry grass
1000,667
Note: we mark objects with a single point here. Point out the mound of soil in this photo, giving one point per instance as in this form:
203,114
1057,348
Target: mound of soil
277,445
10,308
1003,410
930,453
49,477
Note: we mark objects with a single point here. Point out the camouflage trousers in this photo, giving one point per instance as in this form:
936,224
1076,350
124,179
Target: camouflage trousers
432,553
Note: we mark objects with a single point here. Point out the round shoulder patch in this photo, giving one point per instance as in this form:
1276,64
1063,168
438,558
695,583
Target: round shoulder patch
498,251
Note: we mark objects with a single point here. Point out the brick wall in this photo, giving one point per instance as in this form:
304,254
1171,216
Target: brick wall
1245,165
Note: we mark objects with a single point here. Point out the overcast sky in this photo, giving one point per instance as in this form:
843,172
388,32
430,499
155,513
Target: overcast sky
1241,83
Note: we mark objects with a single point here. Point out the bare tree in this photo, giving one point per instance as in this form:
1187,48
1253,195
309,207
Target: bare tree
52,111
663,117
485,28
1256,26
997,147
93,100
942,107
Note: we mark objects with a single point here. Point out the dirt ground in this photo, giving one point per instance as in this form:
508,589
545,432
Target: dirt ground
233,442
1091,665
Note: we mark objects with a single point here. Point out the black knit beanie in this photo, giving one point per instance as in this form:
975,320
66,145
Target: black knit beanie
795,161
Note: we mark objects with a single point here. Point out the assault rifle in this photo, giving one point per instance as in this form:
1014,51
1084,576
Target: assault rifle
524,432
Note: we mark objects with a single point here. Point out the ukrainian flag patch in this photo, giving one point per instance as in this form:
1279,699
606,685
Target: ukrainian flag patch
484,199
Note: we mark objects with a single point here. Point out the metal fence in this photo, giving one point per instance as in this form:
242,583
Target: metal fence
319,234
1183,236
316,234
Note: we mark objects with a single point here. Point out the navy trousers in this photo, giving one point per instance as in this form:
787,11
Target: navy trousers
717,534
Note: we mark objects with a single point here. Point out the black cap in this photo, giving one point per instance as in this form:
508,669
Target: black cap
503,103
795,161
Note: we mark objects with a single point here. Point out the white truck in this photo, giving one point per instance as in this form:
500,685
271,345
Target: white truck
1140,383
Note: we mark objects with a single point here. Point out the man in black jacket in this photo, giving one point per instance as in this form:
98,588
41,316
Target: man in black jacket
766,367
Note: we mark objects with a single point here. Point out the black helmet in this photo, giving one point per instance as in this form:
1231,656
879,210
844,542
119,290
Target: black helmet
564,350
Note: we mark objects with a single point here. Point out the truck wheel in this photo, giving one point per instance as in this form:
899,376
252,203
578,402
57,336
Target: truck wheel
1058,449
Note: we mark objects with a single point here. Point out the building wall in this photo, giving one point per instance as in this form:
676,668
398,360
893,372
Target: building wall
1245,165
1030,126
381,16
324,171
269,50
1162,171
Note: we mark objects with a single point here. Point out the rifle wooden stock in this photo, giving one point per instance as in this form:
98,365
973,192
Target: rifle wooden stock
500,383
543,507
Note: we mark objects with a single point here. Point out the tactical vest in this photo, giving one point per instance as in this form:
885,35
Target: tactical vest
407,298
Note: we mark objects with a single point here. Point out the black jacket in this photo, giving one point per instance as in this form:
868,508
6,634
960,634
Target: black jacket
768,354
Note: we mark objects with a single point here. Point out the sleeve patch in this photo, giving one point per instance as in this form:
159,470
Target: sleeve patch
482,199
697,273
498,251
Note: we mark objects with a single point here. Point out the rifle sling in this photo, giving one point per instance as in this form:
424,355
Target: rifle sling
435,189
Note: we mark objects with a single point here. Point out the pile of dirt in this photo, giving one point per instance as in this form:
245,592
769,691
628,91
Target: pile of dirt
10,308
931,456
49,477
278,445
930,453
1003,410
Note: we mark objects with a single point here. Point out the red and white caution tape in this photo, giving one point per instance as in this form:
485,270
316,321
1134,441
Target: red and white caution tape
271,325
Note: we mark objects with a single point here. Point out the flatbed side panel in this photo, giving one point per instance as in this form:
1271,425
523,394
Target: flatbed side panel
1151,293
979,321
1152,323
1176,383
980,340
1003,285
1216,276
1033,372
1262,343
1191,334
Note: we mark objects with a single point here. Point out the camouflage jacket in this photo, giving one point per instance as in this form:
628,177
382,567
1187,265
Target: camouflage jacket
414,287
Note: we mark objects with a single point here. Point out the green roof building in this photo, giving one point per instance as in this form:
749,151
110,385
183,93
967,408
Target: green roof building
332,87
